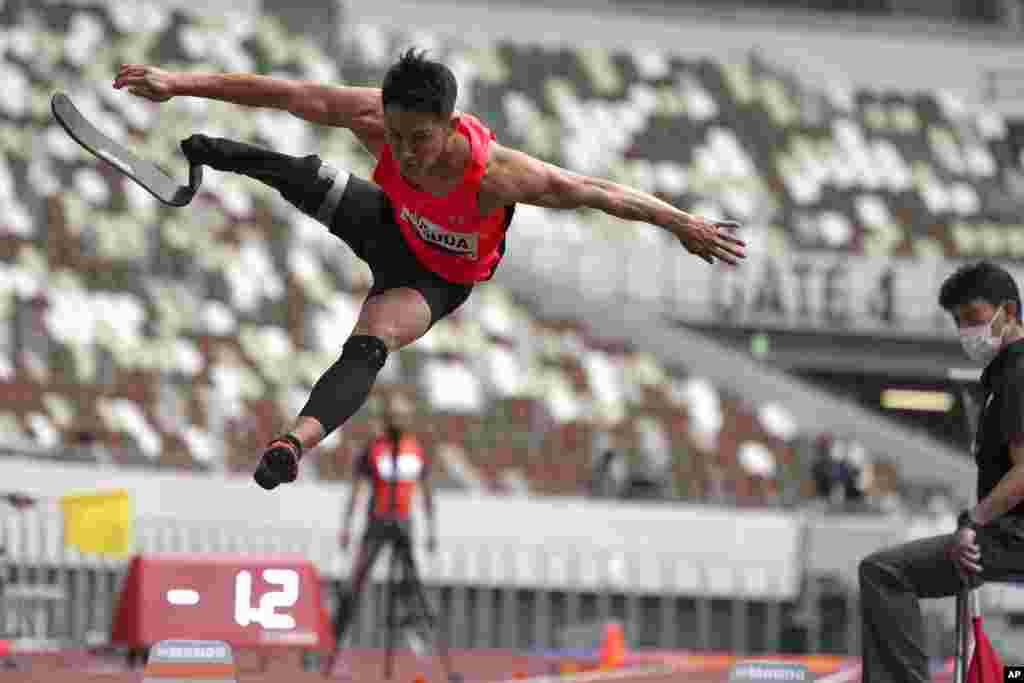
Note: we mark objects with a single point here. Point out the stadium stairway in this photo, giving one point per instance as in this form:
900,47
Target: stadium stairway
919,456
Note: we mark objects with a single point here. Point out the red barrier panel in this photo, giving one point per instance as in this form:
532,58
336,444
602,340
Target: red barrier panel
248,602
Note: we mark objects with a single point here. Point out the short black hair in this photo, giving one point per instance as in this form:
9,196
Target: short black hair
983,280
416,83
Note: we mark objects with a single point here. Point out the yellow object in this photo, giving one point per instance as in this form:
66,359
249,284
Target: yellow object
99,523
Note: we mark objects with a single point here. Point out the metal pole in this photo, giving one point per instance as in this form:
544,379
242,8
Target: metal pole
703,608
814,615
572,607
634,618
487,598
961,636
773,624
392,625
542,619
458,623
510,618
739,624
852,621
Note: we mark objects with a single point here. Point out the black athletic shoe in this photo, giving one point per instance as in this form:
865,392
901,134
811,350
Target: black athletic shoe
280,462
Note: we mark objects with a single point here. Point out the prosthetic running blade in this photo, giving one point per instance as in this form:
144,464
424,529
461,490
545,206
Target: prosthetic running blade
146,173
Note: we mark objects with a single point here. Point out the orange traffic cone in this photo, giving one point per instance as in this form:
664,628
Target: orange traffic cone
613,649
568,668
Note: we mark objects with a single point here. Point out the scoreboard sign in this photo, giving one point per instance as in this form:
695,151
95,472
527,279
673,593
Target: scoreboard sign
245,601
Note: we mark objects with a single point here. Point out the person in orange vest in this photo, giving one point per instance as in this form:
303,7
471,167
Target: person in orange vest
395,467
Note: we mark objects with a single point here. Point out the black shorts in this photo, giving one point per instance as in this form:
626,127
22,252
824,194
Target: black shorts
364,219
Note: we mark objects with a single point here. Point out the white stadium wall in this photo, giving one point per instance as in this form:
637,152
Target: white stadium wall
540,541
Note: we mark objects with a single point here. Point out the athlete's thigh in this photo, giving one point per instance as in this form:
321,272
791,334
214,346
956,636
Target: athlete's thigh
443,297
358,212
397,316
404,285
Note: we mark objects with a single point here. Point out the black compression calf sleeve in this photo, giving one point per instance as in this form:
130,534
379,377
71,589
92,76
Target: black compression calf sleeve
298,179
343,389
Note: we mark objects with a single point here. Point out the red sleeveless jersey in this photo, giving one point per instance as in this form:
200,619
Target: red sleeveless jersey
447,234
394,478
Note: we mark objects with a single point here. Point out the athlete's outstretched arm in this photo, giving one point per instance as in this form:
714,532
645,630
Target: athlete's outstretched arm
357,108
513,176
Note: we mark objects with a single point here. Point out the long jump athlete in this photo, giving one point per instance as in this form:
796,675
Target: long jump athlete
430,225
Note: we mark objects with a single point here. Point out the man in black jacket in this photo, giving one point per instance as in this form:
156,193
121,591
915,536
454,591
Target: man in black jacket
988,544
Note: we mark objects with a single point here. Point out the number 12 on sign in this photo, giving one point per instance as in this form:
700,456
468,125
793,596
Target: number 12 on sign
265,614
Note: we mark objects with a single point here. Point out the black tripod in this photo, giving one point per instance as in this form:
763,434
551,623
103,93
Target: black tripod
407,605
405,589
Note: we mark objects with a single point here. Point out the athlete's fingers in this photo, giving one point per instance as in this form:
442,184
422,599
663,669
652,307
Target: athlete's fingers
129,70
734,249
727,257
730,237
726,250
727,231
126,79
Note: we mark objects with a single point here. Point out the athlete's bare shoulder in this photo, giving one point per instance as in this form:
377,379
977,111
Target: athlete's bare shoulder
495,182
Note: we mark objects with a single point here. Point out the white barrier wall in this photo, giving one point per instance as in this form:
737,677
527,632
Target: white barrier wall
531,542
546,541
490,546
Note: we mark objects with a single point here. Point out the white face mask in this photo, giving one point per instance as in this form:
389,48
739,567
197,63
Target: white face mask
979,343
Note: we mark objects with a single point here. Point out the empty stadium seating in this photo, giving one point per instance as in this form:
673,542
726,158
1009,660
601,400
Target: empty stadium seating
187,338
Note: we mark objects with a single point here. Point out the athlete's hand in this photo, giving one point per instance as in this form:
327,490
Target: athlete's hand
150,82
965,553
20,500
709,239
